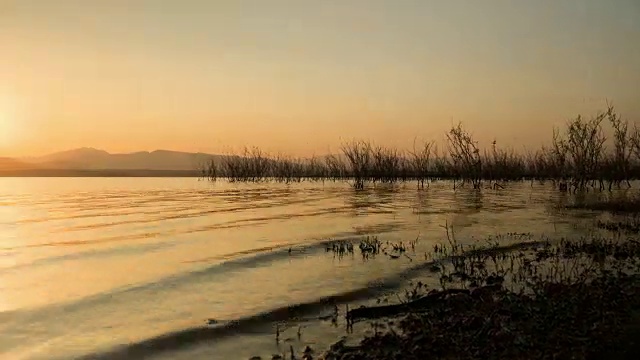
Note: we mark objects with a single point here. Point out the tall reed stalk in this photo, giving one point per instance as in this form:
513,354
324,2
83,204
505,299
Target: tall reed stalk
577,158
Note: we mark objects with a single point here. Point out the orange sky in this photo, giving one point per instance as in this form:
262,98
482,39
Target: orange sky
300,76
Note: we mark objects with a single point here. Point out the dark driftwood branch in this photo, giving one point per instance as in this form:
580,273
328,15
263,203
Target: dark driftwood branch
375,312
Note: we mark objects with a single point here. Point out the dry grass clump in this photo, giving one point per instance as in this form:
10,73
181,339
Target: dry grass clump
571,299
368,246
629,225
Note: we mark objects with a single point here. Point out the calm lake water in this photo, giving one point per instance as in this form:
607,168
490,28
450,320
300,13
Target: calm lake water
112,268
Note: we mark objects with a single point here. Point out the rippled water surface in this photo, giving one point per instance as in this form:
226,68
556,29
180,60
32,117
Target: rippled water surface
132,268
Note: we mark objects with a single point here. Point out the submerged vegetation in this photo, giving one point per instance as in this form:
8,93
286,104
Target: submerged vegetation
538,300
578,158
510,297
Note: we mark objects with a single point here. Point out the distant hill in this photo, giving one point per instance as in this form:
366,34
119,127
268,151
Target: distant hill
98,173
9,164
94,162
94,159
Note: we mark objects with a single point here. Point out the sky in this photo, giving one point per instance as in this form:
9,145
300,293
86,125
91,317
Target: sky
302,76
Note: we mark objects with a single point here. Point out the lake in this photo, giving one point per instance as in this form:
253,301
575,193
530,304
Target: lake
109,268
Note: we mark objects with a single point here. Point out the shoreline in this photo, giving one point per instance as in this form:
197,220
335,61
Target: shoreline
492,324
586,314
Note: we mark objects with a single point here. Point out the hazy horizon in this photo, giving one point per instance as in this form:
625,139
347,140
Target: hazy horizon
300,77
